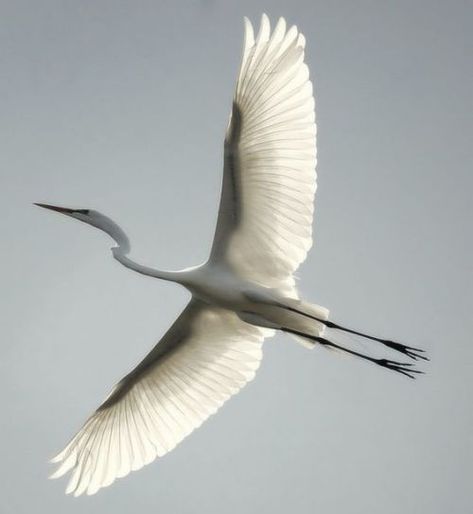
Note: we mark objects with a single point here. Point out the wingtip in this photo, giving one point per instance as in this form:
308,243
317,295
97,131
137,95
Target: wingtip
265,27
71,486
55,475
55,459
301,40
281,26
249,31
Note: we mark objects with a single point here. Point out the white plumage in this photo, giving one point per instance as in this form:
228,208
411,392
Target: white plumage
208,355
243,292
264,227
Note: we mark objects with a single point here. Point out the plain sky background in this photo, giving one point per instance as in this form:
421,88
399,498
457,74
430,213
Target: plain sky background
121,106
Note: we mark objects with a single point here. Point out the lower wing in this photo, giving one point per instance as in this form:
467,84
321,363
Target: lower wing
208,355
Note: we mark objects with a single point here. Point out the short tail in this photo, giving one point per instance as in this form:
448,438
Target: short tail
316,318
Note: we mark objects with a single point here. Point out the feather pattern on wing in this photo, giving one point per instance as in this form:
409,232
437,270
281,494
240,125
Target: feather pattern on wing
264,228
207,355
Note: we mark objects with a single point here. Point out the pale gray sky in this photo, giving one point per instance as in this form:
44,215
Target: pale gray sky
121,106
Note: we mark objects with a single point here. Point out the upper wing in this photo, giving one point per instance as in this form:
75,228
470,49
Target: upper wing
205,357
264,227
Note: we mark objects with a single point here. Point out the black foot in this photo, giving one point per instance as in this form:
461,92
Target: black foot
413,353
405,368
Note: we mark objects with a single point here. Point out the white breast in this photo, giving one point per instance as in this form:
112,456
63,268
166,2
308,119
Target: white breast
218,285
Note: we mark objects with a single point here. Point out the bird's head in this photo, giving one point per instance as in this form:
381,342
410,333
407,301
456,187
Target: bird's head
96,219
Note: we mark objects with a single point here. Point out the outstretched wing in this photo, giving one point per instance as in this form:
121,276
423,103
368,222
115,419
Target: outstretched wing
207,355
264,227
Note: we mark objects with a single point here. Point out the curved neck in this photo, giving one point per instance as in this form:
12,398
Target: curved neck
119,253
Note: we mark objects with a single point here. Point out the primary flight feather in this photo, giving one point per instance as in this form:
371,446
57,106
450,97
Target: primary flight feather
246,289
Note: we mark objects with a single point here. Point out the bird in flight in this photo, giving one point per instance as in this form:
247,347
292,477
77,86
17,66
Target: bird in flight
243,293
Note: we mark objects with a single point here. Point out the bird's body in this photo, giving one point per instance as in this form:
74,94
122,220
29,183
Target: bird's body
217,285
242,294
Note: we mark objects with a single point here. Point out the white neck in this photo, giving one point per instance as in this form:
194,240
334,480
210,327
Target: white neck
119,253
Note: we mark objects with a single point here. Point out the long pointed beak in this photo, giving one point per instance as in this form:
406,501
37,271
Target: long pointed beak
62,210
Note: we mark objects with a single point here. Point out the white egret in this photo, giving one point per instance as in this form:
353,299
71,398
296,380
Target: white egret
242,294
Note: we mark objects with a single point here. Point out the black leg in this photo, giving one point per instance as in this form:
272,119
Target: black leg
409,351
400,367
